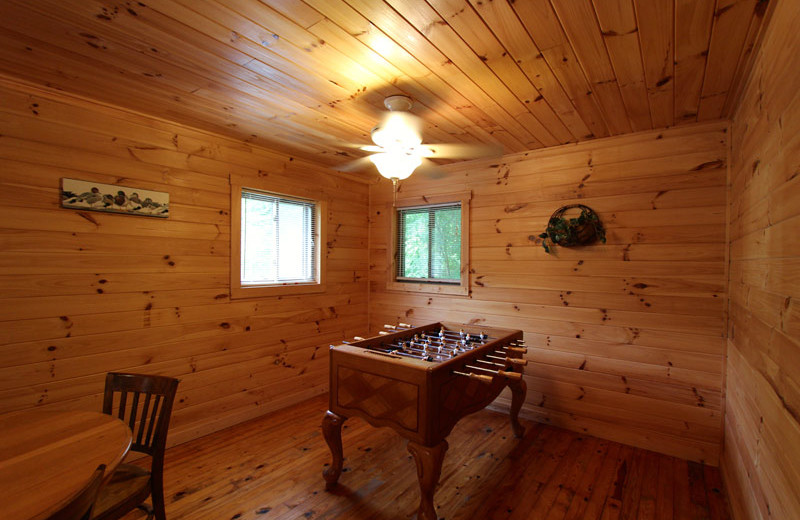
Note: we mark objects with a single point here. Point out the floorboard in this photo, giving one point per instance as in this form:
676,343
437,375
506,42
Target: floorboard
270,468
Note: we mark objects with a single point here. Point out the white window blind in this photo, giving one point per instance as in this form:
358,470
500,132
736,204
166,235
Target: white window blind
278,239
429,244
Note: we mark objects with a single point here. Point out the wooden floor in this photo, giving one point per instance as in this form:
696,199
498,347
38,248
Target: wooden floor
270,468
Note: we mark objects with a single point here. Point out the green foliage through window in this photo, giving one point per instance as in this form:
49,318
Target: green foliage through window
429,244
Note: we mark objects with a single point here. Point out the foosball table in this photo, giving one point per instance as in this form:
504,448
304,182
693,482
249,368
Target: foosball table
420,381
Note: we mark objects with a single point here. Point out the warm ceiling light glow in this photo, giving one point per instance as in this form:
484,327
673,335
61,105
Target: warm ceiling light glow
397,131
396,164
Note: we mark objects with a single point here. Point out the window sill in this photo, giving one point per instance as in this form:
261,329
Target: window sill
429,288
262,291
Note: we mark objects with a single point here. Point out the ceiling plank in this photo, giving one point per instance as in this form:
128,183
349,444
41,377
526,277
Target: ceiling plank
731,22
693,20
310,76
508,29
466,22
410,73
580,24
542,23
620,33
440,35
656,33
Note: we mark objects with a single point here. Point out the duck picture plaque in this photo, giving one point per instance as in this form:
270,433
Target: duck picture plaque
110,198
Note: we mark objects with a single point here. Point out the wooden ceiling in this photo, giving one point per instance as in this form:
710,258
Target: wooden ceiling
309,77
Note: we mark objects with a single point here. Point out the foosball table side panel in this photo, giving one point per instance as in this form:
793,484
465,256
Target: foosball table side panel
379,391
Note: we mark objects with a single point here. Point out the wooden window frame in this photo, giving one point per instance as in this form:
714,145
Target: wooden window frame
237,290
463,288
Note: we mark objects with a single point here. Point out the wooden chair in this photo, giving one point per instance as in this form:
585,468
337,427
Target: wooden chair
80,506
145,404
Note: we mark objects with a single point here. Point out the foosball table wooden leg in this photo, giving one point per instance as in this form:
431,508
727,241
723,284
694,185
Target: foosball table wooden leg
429,467
518,391
332,431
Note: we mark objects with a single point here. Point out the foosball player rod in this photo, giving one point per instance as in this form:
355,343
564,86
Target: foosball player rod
476,377
472,337
521,350
430,346
510,375
490,362
512,360
459,335
425,352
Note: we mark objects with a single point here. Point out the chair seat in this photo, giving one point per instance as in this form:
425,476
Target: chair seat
129,486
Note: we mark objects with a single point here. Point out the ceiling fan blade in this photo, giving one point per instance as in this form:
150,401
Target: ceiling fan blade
461,151
429,169
350,166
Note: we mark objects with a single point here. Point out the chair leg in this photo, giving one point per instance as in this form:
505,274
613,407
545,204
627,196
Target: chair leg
158,503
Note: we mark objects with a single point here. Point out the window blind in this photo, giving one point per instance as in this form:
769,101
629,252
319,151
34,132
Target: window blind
429,244
278,239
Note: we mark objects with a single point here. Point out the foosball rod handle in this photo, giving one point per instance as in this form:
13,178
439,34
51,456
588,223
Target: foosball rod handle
475,377
512,360
509,375
521,350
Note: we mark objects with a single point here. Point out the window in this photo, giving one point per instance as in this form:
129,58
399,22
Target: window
430,245
275,243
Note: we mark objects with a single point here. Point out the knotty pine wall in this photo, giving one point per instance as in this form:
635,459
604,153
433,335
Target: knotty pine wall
84,293
626,338
761,458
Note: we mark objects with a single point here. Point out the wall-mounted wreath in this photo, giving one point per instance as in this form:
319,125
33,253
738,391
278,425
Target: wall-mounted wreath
565,230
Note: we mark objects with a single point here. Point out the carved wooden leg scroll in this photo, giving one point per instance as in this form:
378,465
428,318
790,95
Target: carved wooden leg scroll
429,468
332,431
518,391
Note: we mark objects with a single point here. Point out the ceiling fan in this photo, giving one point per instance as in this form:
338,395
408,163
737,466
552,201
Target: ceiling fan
398,150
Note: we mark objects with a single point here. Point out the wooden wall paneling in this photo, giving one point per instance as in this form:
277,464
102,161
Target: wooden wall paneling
607,332
88,292
760,461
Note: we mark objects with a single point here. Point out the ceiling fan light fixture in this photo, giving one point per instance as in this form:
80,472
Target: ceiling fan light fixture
396,164
398,130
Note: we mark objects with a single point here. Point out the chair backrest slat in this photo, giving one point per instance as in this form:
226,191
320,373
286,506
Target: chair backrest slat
152,421
151,407
123,401
133,411
144,419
